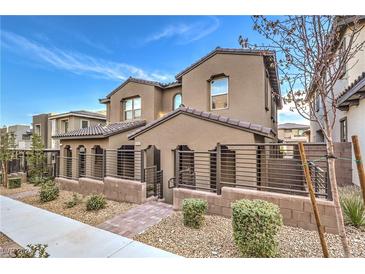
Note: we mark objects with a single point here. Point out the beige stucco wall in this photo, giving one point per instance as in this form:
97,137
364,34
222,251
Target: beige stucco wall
198,134
167,98
150,101
246,99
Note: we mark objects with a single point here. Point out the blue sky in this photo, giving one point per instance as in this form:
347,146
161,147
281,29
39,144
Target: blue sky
63,63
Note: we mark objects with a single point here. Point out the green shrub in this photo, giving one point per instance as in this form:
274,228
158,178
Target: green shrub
14,182
353,208
193,212
95,202
73,202
33,251
48,192
255,227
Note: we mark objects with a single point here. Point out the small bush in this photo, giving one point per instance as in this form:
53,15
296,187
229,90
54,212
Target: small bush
48,192
73,202
353,208
193,212
33,251
255,227
95,202
14,182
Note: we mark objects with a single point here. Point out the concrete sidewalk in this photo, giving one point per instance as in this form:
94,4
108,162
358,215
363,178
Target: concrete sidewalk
67,238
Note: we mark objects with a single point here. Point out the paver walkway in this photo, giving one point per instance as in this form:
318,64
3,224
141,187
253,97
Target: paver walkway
138,219
65,237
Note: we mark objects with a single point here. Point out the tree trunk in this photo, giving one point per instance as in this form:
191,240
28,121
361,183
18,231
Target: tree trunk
336,199
4,165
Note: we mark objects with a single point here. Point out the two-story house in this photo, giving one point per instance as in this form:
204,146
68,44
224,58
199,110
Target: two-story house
350,94
228,96
293,133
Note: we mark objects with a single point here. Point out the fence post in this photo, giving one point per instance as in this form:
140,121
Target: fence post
218,171
359,164
313,200
142,166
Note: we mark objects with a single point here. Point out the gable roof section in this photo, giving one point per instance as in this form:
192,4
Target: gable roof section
207,116
140,81
269,58
101,131
353,93
79,113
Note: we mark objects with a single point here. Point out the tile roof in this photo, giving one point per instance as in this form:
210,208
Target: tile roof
80,113
145,82
102,131
246,126
352,88
292,126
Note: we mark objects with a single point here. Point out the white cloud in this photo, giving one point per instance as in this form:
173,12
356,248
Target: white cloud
186,33
75,62
289,114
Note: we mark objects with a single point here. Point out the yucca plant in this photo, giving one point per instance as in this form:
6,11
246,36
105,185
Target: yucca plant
353,208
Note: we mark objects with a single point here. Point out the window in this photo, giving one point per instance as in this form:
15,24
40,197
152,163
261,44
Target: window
64,124
37,130
219,93
343,129
132,108
177,101
84,123
317,102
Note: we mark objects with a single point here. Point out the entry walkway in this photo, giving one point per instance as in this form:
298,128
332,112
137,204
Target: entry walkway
138,219
65,237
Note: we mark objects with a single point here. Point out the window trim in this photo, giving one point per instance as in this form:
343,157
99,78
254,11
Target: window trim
133,110
88,123
63,128
217,77
173,100
342,132
40,128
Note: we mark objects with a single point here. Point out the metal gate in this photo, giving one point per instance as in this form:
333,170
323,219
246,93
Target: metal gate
154,181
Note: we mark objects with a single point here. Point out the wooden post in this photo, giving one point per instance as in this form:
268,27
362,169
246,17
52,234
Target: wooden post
359,164
313,200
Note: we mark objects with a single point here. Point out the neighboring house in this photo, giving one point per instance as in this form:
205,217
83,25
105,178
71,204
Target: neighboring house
21,134
293,133
228,96
42,127
350,94
67,122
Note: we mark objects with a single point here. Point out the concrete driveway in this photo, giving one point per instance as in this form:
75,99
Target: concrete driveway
67,238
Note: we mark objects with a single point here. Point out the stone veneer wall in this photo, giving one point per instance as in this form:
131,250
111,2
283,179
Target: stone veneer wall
296,210
116,189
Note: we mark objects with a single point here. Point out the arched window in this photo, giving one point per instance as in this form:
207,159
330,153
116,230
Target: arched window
177,101
98,162
67,161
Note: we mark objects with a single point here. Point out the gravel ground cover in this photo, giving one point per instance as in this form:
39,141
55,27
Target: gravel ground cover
79,211
24,188
215,240
7,246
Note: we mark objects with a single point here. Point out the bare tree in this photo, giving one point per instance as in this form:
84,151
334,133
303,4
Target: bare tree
312,57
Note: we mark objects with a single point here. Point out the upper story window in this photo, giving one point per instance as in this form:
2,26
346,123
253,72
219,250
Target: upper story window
177,101
84,123
37,130
343,129
64,126
219,93
132,108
